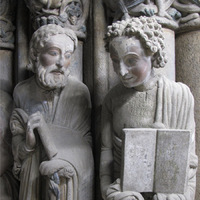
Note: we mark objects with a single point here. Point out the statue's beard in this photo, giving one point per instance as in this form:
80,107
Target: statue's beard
52,76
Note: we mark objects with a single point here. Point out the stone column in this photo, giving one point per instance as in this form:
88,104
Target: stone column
188,72
100,78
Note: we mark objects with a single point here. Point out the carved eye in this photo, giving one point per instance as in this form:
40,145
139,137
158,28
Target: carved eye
53,52
68,55
130,60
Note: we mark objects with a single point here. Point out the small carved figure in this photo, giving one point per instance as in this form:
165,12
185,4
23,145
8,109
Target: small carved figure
141,100
51,123
140,7
66,13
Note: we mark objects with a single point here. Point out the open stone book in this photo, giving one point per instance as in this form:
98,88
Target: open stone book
155,160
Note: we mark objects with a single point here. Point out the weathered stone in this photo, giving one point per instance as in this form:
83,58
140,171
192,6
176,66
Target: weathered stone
136,46
155,160
52,118
71,14
6,80
172,161
138,160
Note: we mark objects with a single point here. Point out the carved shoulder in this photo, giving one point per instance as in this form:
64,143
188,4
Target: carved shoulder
78,87
22,89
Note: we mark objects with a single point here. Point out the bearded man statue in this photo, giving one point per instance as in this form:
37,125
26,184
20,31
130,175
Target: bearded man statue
51,123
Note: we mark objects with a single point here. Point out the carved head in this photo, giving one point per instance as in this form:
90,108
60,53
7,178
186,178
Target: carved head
147,31
51,48
136,45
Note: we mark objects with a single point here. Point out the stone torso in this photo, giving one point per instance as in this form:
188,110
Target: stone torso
133,109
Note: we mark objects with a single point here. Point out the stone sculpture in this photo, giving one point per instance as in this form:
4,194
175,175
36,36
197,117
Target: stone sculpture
141,100
189,11
51,123
173,14
7,16
66,13
7,28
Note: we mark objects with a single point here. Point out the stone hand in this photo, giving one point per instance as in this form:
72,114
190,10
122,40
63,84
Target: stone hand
160,196
148,12
114,192
35,121
63,168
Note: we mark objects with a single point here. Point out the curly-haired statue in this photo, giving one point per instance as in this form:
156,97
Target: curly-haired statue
51,139
141,100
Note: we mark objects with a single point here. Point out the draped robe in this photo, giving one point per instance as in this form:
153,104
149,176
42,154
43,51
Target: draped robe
67,113
164,104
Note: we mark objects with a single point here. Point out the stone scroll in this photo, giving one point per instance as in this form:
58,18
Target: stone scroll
160,160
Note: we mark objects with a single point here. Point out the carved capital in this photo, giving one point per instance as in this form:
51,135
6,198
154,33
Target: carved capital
66,13
6,25
178,15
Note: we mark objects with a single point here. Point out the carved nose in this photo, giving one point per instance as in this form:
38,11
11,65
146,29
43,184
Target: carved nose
123,70
60,62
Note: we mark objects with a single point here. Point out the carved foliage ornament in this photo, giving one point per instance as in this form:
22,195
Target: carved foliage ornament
66,13
6,26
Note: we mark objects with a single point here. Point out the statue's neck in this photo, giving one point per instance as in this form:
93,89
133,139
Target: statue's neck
149,83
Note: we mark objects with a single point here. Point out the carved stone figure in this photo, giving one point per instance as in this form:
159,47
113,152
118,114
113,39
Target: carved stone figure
140,7
141,100
170,13
66,13
189,10
51,123
7,28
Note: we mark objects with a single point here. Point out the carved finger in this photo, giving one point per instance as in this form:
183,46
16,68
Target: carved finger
155,197
37,22
30,139
181,197
50,20
176,197
43,21
32,126
151,12
172,197
35,120
161,196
